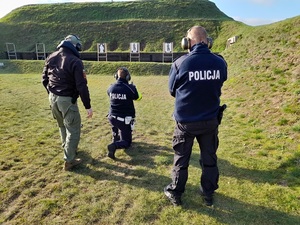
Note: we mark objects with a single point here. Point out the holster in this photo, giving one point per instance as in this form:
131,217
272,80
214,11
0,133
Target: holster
220,114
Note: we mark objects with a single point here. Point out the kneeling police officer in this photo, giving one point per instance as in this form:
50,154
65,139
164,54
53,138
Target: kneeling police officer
121,114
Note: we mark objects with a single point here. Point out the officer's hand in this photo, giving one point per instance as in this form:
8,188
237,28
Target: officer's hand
89,113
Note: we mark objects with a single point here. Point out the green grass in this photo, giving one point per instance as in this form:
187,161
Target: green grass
258,160
108,11
259,153
91,67
116,23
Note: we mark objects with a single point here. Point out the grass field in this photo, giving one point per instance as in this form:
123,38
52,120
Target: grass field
258,161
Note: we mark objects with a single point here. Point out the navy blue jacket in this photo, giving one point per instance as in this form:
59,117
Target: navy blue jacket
195,80
63,74
121,95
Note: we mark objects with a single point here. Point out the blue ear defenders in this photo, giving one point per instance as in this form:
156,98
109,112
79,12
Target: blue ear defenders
126,71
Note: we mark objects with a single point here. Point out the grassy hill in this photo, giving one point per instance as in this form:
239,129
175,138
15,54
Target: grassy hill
111,11
259,153
149,22
264,67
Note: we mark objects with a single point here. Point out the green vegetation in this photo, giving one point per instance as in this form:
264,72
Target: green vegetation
259,153
104,68
108,11
258,160
149,22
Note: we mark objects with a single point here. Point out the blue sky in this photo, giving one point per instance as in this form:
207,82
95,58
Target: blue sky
251,12
259,12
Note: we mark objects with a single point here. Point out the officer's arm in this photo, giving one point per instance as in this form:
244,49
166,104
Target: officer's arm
45,78
172,80
81,84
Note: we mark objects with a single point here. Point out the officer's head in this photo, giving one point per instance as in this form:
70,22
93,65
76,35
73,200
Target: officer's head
196,35
75,40
122,72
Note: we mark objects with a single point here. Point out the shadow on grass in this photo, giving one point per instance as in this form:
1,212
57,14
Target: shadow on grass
278,176
137,171
133,171
231,211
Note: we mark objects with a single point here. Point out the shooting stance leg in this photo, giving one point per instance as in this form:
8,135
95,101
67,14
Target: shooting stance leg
208,143
182,145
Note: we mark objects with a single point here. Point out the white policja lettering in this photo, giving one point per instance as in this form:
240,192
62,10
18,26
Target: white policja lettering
204,75
117,96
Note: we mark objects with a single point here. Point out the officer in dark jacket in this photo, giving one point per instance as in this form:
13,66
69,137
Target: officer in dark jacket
195,80
122,112
65,80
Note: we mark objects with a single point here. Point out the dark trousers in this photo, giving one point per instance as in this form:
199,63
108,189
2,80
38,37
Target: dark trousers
206,134
121,132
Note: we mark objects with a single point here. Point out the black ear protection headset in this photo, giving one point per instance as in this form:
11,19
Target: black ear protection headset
126,71
210,42
78,45
186,42
75,40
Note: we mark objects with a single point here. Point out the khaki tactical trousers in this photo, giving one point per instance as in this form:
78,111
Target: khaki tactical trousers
69,121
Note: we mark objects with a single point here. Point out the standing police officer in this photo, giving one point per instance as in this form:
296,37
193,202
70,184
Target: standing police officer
64,79
122,112
195,80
